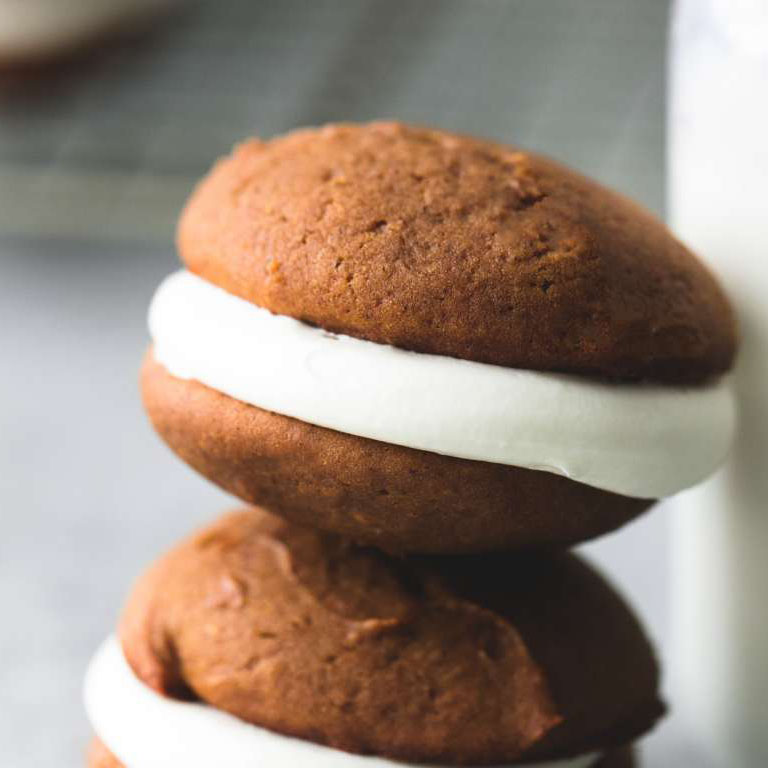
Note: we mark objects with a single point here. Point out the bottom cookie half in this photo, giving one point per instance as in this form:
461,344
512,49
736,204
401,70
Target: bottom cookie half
397,499
492,660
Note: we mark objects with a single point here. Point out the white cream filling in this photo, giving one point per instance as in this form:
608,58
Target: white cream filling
146,730
639,440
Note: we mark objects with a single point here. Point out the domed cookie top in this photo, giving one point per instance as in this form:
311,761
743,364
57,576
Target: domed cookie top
446,244
491,660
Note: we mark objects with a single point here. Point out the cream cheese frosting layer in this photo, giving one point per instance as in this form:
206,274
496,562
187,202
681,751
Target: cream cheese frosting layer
639,440
146,730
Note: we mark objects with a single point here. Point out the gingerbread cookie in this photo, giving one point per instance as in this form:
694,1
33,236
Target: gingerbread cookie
432,343
488,660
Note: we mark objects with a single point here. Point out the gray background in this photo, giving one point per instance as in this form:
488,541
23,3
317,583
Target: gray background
96,157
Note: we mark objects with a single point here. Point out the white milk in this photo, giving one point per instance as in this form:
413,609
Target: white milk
718,204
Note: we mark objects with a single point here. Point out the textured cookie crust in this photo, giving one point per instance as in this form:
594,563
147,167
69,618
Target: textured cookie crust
100,757
446,244
395,498
481,660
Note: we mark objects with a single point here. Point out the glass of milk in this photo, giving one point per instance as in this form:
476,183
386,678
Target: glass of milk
718,204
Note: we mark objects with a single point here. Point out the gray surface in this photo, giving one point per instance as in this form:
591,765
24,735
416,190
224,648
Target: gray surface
88,495
110,146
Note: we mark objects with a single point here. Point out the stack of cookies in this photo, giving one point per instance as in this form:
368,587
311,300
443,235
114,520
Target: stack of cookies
434,362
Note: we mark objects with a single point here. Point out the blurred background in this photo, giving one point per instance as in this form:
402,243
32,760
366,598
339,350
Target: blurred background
98,151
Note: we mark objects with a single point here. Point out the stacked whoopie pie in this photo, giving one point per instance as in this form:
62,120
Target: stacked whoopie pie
436,361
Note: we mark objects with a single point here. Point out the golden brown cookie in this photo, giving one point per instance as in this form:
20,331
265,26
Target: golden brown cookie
100,757
456,246
465,660
398,499
443,244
